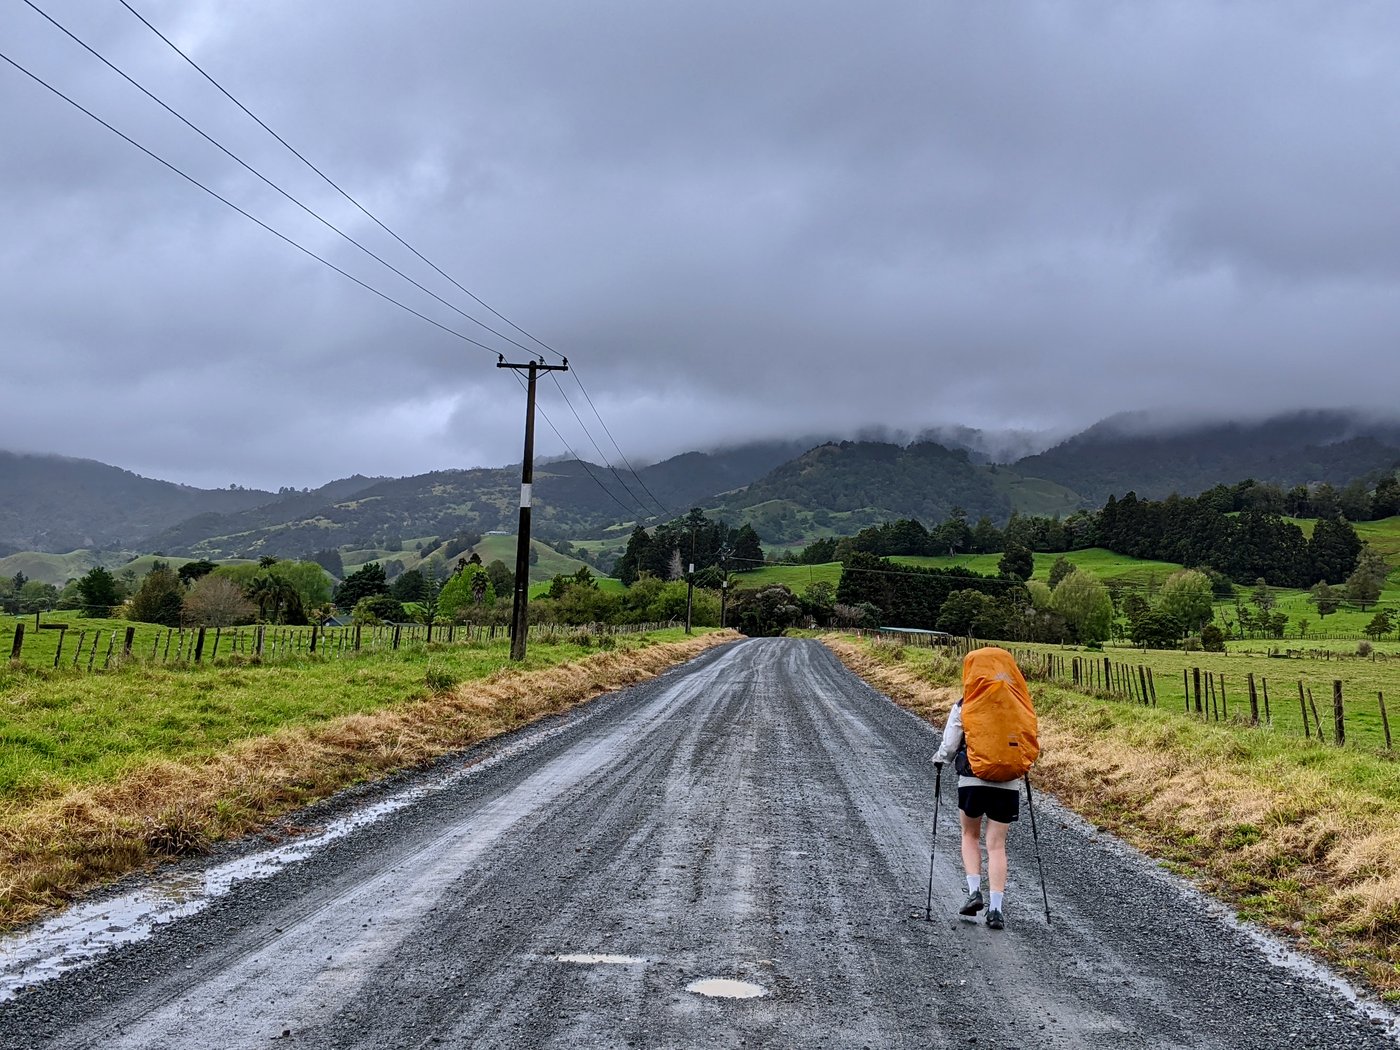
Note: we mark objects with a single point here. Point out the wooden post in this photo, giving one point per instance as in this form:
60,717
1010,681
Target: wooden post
218,633
1224,704
258,641
1302,706
396,636
18,643
62,632
1186,688
1152,687
111,644
92,653
129,641
1142,683
357,638
78,649
199,646
313,638
1317,719
1196,684
1385,719
1268,715
1253,700
1107,675
1339,728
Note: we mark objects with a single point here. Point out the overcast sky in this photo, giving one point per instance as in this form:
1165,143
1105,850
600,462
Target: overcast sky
737,220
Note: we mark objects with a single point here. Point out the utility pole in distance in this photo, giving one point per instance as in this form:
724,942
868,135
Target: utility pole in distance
519,613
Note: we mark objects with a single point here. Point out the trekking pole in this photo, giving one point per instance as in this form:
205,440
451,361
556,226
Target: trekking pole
933,841
1030,804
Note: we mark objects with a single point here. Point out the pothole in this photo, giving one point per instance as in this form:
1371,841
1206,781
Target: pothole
599,960
724,988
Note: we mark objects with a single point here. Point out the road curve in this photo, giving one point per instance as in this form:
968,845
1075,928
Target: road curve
758,815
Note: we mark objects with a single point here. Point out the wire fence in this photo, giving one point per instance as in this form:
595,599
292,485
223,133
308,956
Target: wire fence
1207,694
73,646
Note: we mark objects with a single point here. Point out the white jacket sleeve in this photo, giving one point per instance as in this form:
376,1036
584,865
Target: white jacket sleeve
952,736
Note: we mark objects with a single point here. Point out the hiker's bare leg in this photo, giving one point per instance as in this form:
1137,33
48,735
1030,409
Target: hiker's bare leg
996,854
971,852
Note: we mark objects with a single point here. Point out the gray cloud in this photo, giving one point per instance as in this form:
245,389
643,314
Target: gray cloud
737,220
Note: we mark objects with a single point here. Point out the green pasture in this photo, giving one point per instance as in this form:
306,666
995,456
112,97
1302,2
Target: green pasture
1361,678
66,727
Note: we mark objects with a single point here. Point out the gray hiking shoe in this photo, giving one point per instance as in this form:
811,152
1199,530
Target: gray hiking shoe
994,920
974,904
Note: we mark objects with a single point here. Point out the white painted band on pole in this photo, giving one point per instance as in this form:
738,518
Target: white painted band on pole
524,495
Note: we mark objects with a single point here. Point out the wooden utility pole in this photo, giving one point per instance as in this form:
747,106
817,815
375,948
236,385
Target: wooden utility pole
520,613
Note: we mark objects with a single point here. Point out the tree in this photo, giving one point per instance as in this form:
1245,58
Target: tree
1262,597
1212,639
411,586
1380,624
1186,597
378,608
502,578
748,551
1085,604
330,560
1062,568
216,601
160,598
193,570
959,611
1326,597
1017,563
1157,630
468,595
365,582
99,591
766,611
1367,579
1333,549
634,558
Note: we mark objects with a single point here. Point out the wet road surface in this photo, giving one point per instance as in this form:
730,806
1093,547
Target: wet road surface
758,816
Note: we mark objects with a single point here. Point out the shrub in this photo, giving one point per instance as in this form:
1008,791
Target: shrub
1363,648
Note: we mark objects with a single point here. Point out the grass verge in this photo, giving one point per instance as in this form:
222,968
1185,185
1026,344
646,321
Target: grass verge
135,768
1299,837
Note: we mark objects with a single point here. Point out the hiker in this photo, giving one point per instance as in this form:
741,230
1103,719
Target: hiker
991,731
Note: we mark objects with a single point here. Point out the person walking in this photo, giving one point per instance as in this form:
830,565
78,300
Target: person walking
997,714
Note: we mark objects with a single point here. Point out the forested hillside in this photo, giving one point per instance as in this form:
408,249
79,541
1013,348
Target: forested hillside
58,504
1131,453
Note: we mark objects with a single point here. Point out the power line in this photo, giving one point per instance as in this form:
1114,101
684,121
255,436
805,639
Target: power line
664,509
641,506
247,215
336,186
258,174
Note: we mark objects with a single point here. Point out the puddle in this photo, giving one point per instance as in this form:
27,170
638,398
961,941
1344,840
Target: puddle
723,988
87,930
600,960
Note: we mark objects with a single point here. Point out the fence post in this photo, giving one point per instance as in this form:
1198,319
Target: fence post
396,636
199,646
1302,706
1268,715
1385,719
62,633
129,641
1152,686
357,638
1253,700
258,641
1142,683
1196,687
1186,688
1224,704
18,643
313,638
1317,719
1339,729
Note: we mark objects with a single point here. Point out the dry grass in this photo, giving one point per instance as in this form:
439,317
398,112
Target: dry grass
1299,837
53,848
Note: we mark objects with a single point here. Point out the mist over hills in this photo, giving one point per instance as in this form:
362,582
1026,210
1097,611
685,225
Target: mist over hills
790,491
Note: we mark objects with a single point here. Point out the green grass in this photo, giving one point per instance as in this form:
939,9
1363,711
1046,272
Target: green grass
1361,680
65,728
796,578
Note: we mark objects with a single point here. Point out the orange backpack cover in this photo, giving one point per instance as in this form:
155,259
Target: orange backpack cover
998,716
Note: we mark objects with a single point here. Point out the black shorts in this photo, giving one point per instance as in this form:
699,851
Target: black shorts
999,804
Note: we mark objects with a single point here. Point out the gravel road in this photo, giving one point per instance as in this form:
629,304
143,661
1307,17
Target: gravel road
758,815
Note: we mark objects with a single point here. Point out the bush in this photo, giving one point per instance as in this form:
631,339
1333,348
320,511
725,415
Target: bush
1364,648
1212,639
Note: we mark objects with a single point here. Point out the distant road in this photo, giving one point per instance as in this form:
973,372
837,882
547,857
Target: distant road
759,815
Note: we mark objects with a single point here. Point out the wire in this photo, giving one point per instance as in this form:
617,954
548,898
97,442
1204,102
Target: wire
336,186
258,174
540,409
664,509
247,215
641,506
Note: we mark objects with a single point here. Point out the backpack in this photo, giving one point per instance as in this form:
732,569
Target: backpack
998,717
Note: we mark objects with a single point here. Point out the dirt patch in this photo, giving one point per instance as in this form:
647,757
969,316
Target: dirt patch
53,850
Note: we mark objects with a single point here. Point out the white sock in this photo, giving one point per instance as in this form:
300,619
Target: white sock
996,900
974,883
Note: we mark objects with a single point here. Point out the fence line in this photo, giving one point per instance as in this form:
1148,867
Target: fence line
1205,692
192,646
